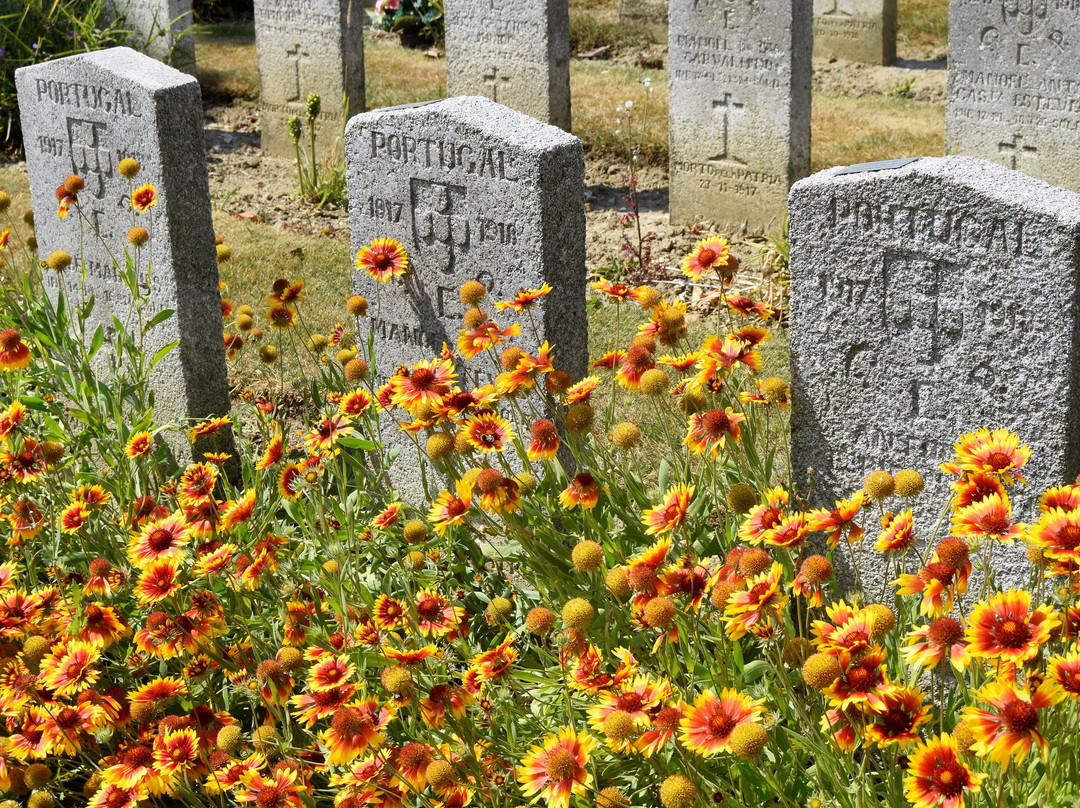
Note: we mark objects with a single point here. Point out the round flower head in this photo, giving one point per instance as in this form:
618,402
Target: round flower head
709,254
879,485
143,198
937,777
557,769
14,353
626,435
678,791
587,556
1009,729
1006,627
472,292
909,483
741,498
707,726
138,236
383,259
128,167
58,260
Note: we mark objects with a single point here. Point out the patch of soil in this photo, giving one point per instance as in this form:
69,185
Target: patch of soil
929,79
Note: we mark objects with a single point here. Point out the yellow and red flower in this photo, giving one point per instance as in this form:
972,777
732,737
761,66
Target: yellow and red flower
990,517
557,769
710,254
496,662
927,645
1065,672
1057,534
671,512
1006,627
707,726
162,539
898,532
839,520
280,791
14,353
71,668
354,729
583,490
765,516
936,776
710,430
524,299
176,752
436,616
863,684
999,453
755,608
143,198
1010,729
484,337
274,451
383,259
426,382
488,431
138,445
898,724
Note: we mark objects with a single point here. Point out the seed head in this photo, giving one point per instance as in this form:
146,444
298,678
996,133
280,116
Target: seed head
34,650
510,356
344,356
357,306
587,556
331,567
37,775
678,791
268,354
626,435
128,168
317,343
292,126
660,612
741,498
58,260
499,611
557,382
540,620
817,569
228,738
754,562
821,670
265,740
578,613
440,773
720,594
138,236
526,481
5,201
396,679
472,292
748,740
647,297
692,401
52,451
654,382
439,445
775,390
40,799
475,317
579,418
879,485
415,532
884,620
356,369
964,737
618,583
909,483
415,560
224,253
796,651
619,725
611,797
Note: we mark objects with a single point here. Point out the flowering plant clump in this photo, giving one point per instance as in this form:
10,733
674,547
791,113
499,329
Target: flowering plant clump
554,625
422,19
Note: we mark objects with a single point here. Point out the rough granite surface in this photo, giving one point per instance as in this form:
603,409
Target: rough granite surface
83,115
740,109
163,29
1014,86
856,30
515,52
926,302
474,191
304,47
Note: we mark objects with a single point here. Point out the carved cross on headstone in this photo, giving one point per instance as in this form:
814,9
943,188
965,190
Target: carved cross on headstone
1016,151
836,10
493,78
727,105
296,54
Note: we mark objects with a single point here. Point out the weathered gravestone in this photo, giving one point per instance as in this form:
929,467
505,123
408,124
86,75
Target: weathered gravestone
474,191
160,28
740,109
1014,85
516,52
858,30
83,115
304,47
927,301
645,16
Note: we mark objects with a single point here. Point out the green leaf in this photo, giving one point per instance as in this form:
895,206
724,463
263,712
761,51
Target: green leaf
358,443
97,341
663,475
162,352
160,317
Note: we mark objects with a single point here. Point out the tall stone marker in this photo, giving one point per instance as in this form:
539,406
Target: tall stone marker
1014,86
84,114
740,109
161,28
929,300
857,30
304,47
474,191
516,52
648,16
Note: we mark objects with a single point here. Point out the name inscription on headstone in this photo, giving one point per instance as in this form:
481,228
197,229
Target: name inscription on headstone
1014,85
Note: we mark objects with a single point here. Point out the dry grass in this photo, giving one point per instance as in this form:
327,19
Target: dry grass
396,75
857,130
597,88
225,65
924,23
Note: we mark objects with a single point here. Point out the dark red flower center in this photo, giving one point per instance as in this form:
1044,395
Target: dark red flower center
1020,716
1069,538
721,725
139,756
995,523
859,679
9,339
945,631
455,507
272,797
706,257
714,422
428,608
1011,633
950,779
348,721
629,702
939,571
159,539
422,378
667,720
382,261
896,722
999,460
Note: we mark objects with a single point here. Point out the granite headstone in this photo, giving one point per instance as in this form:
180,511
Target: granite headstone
1014,85
928,300
856,30
474,191
83,115
160,28
515,52
304,47
740,109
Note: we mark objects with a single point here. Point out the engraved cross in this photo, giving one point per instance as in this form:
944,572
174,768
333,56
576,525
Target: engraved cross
836,11
493,78
727,105
296,54
1016,151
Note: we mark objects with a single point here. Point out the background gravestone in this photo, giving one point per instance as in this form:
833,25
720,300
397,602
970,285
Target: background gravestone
473,190
740,109
516,52
648,16
928,301
1014,86
304,47
162,29
83,115
858,30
